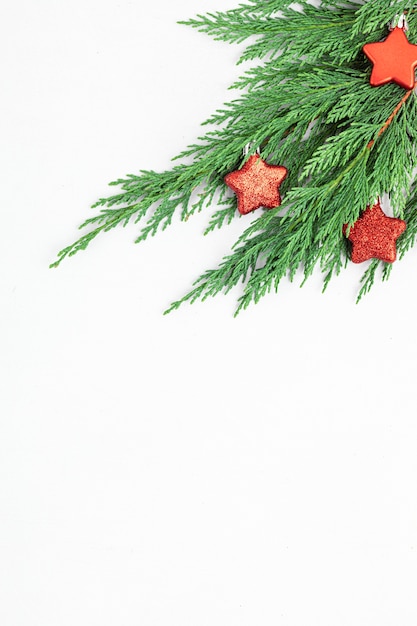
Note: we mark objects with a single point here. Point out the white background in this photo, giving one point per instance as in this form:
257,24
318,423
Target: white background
195,469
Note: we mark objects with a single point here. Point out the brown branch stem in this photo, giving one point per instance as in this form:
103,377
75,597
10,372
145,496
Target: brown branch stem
392,116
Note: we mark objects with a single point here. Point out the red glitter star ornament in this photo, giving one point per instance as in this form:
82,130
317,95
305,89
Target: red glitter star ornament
257,184
394,59
374,236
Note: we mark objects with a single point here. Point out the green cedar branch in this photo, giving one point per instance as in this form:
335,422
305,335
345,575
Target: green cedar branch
309,106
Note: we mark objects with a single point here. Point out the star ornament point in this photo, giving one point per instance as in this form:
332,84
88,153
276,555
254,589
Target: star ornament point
394,60
374,236
257,184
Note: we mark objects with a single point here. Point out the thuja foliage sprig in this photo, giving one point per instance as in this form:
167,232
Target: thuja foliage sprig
307,105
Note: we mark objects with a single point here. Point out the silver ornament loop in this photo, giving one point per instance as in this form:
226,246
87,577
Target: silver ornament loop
249,148
399,21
